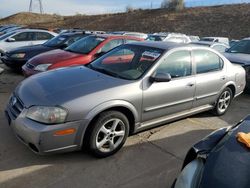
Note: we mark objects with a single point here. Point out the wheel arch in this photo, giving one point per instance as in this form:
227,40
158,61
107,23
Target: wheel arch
121,106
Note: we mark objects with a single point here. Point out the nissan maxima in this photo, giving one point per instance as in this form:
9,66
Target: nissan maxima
129,89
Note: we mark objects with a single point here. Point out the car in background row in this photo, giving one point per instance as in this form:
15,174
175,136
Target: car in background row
220,47
169,37
224,40
217,161
81,52
7,30
129,89
16,58
240,54
24,37
136,34
233,42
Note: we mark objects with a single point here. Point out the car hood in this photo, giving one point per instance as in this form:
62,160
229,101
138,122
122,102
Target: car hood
61,86
29,49
228,165
54,56
238,58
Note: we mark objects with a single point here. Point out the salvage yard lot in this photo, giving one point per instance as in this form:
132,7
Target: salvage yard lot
151,158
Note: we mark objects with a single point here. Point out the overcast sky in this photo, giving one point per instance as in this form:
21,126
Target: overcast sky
71,7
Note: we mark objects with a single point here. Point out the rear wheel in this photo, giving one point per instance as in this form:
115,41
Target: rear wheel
109,133
223,102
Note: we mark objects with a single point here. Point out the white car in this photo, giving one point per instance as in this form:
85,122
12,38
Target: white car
224,40
24,37
170,37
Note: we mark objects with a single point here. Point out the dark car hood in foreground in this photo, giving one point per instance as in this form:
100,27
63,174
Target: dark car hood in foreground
238,58
31,51
61,86
229,165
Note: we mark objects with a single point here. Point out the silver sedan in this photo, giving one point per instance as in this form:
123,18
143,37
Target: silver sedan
129,89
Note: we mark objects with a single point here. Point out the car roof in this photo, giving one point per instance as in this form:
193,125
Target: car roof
208,43
34,30
110,36
160,44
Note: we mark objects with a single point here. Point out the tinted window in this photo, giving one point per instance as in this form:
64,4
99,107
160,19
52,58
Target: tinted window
85,45
129,41
241,47
219,48
25,36
43,36
177,64
207,61
110,45
56,41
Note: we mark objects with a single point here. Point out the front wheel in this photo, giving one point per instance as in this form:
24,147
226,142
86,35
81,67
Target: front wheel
109,133
223,102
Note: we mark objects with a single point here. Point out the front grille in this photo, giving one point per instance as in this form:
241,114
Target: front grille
15,106
30,66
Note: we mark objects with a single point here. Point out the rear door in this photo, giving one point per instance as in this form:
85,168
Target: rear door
210,76
41,37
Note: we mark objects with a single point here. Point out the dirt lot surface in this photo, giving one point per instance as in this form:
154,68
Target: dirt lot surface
151,159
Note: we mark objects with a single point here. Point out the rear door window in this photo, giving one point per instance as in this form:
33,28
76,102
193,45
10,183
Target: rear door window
207,61
43,36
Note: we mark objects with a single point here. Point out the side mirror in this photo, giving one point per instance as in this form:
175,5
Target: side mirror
10,40
161,77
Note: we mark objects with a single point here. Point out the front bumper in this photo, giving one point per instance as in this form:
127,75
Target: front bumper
41,138
13,63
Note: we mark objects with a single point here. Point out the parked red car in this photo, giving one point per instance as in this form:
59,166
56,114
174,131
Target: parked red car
81,52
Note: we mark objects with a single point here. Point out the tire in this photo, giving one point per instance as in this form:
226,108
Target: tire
109,133
223,102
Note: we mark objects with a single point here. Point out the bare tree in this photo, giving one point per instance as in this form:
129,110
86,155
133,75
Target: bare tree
173,4
129,8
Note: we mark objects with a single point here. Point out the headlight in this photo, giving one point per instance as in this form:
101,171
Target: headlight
42,67
47,115
18,56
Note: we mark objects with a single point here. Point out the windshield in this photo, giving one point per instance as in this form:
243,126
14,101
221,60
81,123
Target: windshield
128,62
240,47
6,35
156,38
207,39
85,45
56,41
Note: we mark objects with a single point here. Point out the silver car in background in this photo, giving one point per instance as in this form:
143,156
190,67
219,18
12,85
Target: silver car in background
131,88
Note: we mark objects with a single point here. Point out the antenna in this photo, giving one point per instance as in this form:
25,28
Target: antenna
35,3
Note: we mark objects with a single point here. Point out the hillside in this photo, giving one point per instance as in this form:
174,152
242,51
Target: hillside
229,20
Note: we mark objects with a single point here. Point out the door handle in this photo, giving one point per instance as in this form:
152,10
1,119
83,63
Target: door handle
190,84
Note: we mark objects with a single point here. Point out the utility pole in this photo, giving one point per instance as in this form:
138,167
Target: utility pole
36,2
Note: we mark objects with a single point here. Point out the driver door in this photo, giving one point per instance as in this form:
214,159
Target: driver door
166,98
